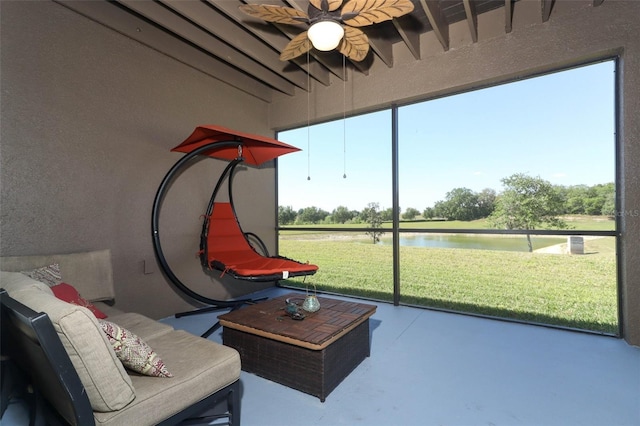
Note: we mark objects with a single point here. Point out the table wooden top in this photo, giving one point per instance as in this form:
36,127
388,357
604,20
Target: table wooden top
316,331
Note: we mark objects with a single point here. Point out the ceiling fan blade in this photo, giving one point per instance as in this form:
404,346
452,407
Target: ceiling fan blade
297,46
369,12
331,4
354,44
277,14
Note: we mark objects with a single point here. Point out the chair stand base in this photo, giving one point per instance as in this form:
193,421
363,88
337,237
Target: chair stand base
202,311
208,309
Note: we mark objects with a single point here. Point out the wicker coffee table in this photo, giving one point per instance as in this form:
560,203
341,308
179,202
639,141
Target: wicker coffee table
312,355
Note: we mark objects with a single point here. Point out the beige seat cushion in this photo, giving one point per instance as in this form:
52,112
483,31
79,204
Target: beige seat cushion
143,327
200,367
108,309
15,281
107,384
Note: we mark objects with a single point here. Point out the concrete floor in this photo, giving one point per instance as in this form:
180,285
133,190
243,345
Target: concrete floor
435,368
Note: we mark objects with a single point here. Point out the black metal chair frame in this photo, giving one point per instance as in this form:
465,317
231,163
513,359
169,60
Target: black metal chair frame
214,304
29,339
251,238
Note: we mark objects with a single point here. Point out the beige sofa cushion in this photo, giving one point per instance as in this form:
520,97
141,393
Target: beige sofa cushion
15,281
108,309
89,272
200,367
107,384
144,327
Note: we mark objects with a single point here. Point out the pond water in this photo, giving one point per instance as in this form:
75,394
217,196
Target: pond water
477,242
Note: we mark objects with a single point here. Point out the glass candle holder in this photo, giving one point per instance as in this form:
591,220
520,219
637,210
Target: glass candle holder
311,303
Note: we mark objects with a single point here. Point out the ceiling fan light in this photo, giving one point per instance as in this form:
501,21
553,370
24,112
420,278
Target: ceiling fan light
325,35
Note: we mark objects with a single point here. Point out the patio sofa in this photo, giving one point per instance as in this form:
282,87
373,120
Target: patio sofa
130,369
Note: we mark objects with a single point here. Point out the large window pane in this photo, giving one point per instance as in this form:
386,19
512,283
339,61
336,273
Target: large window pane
349,264
558,127
507,202
313,190
357,147
537,154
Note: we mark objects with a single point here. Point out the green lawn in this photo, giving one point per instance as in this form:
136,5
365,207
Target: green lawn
584,223
568,290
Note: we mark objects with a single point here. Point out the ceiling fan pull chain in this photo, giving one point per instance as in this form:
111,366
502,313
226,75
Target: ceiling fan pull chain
344,117
308,120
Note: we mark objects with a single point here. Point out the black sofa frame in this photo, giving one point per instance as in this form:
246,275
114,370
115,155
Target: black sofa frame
58,397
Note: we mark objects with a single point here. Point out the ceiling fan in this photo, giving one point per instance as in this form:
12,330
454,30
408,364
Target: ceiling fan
332,24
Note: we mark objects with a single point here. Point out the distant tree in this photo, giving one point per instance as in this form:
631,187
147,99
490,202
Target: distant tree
371,215
410,213
609,206
286,215
590,200
341,214
311,215
527,203
429,213
462,204
574,198
387,214
593,206
486,202
440,210
602,194
606,190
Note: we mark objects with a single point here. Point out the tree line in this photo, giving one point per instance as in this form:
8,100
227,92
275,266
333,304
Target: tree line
522,195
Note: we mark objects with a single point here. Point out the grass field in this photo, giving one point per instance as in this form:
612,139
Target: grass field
577,291
584,223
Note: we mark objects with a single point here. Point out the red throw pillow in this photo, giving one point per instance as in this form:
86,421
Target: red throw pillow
68,293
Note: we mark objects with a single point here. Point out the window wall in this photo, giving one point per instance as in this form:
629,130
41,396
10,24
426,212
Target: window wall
498,202
342,171
342,163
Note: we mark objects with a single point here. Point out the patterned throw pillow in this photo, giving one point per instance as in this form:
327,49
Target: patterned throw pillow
50,274
68,293
133,352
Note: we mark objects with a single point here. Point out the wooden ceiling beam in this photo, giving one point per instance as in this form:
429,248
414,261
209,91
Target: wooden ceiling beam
213,22
545,7
508,16
164,17
472,19
114,17
438,23
410,37
382,47
277,41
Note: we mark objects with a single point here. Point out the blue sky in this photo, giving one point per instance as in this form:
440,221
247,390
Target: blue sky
559,127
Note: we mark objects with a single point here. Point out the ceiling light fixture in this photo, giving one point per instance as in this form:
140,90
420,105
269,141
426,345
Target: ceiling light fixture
332,23
325,35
